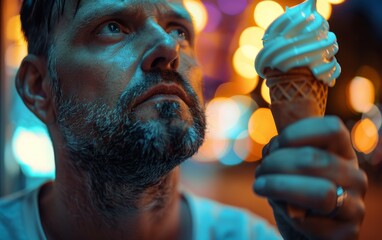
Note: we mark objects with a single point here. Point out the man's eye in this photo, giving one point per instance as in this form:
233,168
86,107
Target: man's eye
181,35
111,28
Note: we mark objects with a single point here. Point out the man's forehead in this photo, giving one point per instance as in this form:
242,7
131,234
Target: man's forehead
86,6
80,3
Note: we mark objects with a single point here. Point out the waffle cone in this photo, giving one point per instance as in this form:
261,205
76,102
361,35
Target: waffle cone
295,95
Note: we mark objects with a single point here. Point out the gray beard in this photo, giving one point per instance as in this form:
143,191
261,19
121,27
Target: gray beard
123,157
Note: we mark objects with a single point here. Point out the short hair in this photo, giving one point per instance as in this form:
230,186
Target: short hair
38,18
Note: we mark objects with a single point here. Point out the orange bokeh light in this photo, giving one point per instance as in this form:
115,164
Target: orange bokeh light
365,136
361,94
261,126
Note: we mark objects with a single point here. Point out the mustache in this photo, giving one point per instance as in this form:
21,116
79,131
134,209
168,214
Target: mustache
151,79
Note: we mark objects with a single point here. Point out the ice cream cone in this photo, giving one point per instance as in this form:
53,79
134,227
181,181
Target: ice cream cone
295,95
298,62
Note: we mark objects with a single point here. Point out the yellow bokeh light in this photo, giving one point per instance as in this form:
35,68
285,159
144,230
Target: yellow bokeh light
334,2
266,12
324,8
365,136
261,126
222,115
198,13
244,61
240,86
361,94
265,92
14,54
252,36
13,30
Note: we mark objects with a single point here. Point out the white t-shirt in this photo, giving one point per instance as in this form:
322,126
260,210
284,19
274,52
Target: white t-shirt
20,220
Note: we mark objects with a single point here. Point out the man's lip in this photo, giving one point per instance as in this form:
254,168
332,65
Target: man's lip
163,89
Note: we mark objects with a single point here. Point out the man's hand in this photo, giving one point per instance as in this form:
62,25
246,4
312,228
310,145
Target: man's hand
303,167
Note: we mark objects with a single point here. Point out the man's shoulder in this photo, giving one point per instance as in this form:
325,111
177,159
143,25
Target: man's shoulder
221,221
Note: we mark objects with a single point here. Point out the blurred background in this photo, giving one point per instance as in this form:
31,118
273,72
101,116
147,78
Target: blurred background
239,120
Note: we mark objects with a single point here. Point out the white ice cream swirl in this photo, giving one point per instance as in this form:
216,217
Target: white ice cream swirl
300,38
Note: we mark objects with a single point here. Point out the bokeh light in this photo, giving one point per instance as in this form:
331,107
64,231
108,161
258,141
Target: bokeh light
252,36
361,94
265,92
222,116
266,12
33,150
246,148
18,49
230,7
375,115
243,61
14,54
370,73
334,2
212,149
256,151
365,136
230,158
214,17
242,145
238,86
261,126
324,8
198,13
13,30
246,104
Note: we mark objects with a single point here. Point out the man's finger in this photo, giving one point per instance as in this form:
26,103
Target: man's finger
311,193
327,133
314,162
272,146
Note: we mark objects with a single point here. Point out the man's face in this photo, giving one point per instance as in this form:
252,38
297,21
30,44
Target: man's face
130,89
110,46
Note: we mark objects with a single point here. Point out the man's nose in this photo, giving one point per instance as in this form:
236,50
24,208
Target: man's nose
163,50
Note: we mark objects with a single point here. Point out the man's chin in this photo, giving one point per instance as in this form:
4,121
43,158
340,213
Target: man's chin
139,147
168,111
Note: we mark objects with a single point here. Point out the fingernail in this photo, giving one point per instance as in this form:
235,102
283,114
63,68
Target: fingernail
259,185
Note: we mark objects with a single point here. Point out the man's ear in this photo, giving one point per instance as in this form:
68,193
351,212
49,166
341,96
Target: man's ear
33,83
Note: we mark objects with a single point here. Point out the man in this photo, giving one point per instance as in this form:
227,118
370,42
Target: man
117,84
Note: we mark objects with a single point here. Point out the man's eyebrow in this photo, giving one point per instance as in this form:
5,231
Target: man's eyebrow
99,12
85,19
179,13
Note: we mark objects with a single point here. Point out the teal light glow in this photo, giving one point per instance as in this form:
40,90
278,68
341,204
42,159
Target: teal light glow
33,151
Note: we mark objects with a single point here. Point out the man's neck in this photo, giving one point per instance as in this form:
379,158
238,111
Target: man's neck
66,213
